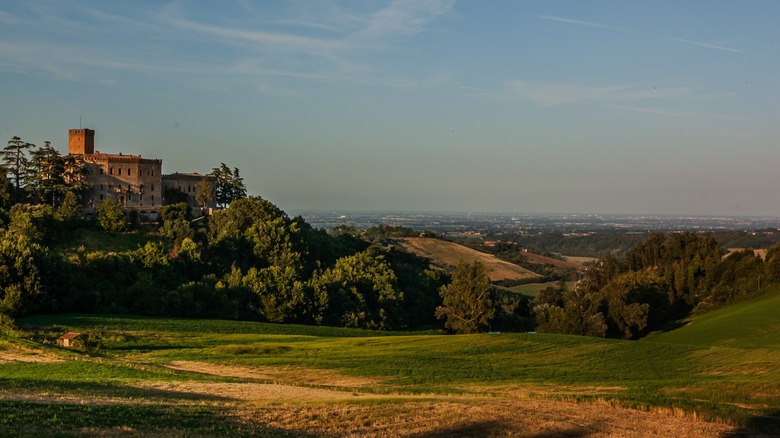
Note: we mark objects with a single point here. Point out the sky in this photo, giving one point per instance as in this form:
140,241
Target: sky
653,107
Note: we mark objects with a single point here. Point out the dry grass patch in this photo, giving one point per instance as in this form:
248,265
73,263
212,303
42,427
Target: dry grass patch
479,417
580,260
20,354
446,255
284,374
254,392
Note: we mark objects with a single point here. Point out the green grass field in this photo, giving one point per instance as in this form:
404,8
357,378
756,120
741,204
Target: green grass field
531,290
722,365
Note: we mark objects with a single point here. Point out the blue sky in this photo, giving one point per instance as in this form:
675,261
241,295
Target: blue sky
662,107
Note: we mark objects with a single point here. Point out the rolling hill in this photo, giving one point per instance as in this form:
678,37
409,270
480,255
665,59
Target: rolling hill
750,324
446,255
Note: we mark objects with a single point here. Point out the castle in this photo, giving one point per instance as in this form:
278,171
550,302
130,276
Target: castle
136,182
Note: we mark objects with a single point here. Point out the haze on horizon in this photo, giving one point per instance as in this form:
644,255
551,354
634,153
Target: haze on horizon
662,107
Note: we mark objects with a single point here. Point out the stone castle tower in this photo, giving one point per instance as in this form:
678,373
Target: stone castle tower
81,141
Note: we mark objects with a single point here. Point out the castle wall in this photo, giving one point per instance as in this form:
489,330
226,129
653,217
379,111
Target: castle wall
190,184
133,181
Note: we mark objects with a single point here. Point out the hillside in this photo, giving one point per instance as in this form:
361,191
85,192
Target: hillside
446,255
563,264
750,324
180,377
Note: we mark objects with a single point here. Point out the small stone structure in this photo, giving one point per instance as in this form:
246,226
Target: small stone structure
67,339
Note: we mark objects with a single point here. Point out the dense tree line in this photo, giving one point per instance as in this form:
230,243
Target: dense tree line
251,261
604,243
661,280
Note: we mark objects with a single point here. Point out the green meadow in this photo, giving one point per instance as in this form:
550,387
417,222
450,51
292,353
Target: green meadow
531,290
718,366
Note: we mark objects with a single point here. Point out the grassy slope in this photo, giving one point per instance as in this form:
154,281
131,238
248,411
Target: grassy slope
531,290
446,255
717,381
751,324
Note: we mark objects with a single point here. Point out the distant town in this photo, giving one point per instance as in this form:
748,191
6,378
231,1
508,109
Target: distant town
532,223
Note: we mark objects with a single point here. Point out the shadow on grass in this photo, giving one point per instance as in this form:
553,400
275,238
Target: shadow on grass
90,389
497,428
671,325
23,418
766,425
148,348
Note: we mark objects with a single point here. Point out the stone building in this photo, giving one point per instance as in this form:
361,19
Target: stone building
134,181
192,184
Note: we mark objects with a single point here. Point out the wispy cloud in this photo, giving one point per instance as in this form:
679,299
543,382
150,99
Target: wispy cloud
581,22
323,41
622,97
717,47
285,42
399,19
402,18
552,94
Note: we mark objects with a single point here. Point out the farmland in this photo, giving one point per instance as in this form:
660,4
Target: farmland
207,377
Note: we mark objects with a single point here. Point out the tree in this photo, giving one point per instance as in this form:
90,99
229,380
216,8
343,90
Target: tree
69,209
175,222
46,176
16,163
74,174
34,222
580,314
204,192
111,216
229,186
467,304
20,280
229,237
175,195
358,291
5,195
281,294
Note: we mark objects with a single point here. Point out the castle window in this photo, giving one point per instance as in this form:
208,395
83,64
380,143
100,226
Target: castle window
152,199
152,187
128,172
119,171
101,170
101,197
101,187
110,170
140,197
